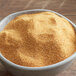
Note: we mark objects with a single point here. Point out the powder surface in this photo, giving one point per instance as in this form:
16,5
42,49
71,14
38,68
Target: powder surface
37,40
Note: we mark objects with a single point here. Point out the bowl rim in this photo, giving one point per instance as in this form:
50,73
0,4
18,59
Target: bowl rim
2,58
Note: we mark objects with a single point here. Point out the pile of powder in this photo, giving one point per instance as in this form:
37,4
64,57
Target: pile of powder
37,40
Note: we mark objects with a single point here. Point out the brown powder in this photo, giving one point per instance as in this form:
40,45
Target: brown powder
37,40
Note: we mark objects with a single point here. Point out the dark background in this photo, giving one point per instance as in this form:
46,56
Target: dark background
65,7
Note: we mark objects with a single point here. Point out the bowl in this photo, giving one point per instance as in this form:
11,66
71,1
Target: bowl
50,70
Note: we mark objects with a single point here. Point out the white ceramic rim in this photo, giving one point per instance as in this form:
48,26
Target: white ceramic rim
44,67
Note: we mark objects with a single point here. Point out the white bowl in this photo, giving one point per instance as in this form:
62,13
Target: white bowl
50,70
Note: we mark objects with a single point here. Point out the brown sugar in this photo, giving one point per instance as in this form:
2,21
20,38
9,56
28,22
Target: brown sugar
37,40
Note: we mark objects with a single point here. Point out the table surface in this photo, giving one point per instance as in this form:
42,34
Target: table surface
65,7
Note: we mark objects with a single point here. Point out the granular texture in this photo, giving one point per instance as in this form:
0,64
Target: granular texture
37,40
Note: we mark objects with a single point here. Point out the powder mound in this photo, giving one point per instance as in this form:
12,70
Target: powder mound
38,39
